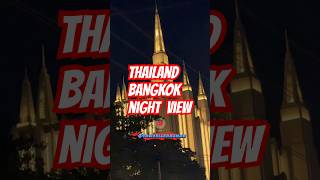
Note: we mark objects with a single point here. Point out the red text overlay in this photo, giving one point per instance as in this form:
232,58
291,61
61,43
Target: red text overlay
85,34
83,89
238,143
147,97
83,144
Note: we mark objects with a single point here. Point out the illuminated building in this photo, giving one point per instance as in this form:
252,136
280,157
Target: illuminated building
38,122
195,125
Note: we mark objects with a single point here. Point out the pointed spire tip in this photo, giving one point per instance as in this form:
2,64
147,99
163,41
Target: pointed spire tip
286,38
156,6
158,37
236,4
43,57
200,86
123,81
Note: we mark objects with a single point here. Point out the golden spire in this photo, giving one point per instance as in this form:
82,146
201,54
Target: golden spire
291,90
242,55
45,95
44,68
159,55
288,50
237,9
158,38
27,112
124,95
186,82
118,94
201,92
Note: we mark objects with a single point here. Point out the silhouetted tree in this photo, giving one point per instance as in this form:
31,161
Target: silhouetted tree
137,159
132,158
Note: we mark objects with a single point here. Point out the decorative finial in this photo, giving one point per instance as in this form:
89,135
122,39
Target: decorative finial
123,81
44,68
286,39
43,57
156,6
183,64
200,88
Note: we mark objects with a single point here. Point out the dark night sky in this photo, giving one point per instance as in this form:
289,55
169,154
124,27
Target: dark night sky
28,23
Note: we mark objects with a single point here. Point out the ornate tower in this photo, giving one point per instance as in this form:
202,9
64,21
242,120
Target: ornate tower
159,53
27,127
187,121
160,57
295,126
247,98
27,116
46,118
203,115
124,97
245,85
118,102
